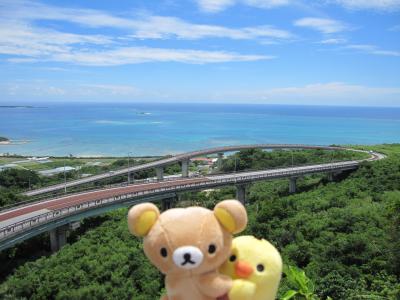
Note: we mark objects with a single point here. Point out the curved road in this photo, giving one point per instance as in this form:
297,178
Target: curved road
23,222
172,160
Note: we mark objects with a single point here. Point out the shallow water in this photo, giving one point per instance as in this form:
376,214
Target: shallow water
157,129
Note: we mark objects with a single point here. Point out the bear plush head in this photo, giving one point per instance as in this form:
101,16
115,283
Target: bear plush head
187,241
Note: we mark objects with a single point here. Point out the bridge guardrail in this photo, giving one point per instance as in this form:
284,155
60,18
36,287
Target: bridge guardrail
149,180
99,188
181,157
17,227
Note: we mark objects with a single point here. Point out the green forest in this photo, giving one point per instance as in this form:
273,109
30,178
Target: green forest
339,239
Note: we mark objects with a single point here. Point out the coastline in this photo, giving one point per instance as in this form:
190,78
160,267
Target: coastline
14,142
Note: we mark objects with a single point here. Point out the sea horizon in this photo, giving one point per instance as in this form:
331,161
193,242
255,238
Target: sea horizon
153,129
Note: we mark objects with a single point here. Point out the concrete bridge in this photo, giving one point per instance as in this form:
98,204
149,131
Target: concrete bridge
183,159
58,215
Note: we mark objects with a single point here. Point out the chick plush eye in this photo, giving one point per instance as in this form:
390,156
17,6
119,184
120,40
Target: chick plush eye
232,258
212,248
163,252
260,267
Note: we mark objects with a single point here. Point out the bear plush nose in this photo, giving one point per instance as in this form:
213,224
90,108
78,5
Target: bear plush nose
187,257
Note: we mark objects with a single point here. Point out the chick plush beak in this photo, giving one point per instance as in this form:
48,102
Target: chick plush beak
243,269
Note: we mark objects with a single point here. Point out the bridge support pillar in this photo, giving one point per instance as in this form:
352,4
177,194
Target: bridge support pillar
160,173
292,185
219,161
167,203
185,168
58,238
330,176
241,193
131,177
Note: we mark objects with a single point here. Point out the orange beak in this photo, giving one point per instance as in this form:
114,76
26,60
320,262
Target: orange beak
243,269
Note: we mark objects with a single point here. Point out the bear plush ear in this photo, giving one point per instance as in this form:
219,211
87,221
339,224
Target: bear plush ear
232,215
141,218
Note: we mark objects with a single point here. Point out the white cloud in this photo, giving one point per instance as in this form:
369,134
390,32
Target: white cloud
134,55
371,49
333,90
333,41
395,28
108,89
155,27
24,42
23,39
384,5
31,45
43,88
213,6
143,26
32,89
333,93
323,25
266,3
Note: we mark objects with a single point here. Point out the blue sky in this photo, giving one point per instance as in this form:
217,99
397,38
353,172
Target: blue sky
326,52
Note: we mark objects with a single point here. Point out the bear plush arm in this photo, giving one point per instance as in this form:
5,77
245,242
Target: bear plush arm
242,290
213,284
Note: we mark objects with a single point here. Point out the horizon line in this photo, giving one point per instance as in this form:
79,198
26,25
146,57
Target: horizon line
34,104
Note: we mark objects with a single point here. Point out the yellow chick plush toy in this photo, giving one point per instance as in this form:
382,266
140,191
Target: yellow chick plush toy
255,267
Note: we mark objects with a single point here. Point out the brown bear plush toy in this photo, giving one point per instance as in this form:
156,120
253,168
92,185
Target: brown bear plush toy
188,245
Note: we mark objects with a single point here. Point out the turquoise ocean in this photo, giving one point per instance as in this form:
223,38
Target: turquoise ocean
159,129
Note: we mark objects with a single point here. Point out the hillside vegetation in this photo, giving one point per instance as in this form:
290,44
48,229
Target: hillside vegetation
345,235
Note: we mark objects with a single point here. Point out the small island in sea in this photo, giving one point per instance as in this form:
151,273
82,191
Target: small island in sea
4,140
16,106
7,141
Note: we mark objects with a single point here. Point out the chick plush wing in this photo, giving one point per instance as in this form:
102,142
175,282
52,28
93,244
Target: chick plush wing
242,290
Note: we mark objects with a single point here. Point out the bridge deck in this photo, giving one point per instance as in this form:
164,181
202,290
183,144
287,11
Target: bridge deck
172,160
67,201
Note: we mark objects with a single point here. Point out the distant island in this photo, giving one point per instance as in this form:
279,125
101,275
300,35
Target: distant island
16,106
7,141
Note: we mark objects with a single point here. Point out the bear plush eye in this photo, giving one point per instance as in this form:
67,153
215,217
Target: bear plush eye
260,267
232,258
164,252
212,248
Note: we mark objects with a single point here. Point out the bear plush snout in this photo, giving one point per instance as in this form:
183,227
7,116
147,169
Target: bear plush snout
188,257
